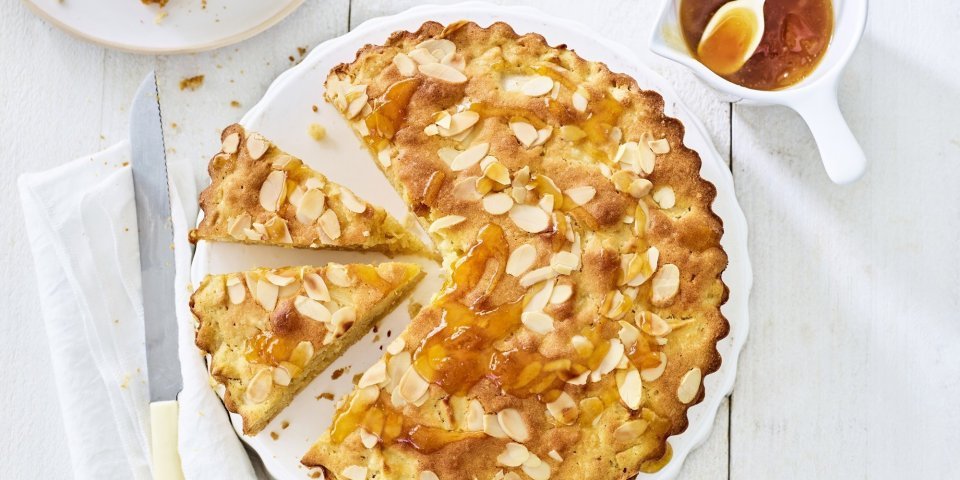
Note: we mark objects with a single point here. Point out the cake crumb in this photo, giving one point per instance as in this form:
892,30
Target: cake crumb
274,435
316,474
315,108
413,308
161,15
302,51
284,424
191,83
234,104
325,396
339,372
317,132
356,379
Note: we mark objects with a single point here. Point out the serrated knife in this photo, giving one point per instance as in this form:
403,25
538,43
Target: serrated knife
155,226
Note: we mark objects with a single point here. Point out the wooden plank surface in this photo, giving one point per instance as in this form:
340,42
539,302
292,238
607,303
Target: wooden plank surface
851,369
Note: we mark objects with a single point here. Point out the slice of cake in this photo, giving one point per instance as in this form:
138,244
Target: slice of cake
270,332
261,195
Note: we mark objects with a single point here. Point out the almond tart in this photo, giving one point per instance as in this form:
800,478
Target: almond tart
261,195
270,332
582,303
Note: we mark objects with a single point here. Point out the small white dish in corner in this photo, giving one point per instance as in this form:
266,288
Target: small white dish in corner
814,98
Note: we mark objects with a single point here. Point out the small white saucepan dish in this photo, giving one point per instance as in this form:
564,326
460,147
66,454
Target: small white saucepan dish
814,98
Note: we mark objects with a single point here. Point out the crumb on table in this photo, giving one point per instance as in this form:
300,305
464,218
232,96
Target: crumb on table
234,104
317,132
191,83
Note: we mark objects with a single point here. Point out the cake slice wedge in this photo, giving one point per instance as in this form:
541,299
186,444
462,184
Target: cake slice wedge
270,332
262,195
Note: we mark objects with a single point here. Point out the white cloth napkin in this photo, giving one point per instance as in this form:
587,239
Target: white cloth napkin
81,222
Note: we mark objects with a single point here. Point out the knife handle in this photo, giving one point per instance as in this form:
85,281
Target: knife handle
163,430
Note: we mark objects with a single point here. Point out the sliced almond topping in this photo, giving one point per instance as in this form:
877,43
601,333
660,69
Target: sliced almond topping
652,324
316,288
260,386
470,157
536,276
405,64
257,146
272,190
497,203
525,133
538,322
543,135
537,86
310,206
459,123
653,373
494,170
565,263
440,48
355,472
529,218
443,73
396,346
238,225
628,334
473,418
422,56
564,409
665,198
630,388
466,189
339,275
689,386
344,318
374,375
628,433
536,471
514,455
279,280
397,365
561,293
231,143
356,106
580,379
521,259
281,162
579,101
428,475
330,224
513,425
609,361
638,268
282,376
368,439
538,301
311,309
301,354
555,455
659,147
383,156
445,222
351,201
491,426
235,290
581,195
665,284
412,386
267,294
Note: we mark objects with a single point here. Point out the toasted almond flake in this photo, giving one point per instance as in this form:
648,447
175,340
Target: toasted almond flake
580,379
281,162
627,433
665,284
473,418
524,132
561,293
652,324
543,135
689,385
497,203
310,205
405,64
565,263
537,322
628,334
257,146
344,317
459,122
355,472
539,471
260,386
443,73
397,365
375,375
639,187
665,198
433,45
314,182
653,373
466,189
431,130
513,425
254,233
521,259
659,147
529,218
491,426
579,101
536,276
555,455
231,143
609,361
630,387
396,346
513,455
235,290
443,119
339,275
272,190
538,301
422,56
330,224
412,386
564,409
581,195
267,295
356,106
237,225
470,157
351,202
367,439
445,222
537,86
383,156
428,475
447,154
496,171
637,269
316,288
301,354
279,280
282,376
311,309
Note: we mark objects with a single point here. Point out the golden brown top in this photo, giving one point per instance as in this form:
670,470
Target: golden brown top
582,307
259,194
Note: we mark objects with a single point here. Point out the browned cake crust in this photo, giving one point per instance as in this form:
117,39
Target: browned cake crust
270,332
583,304
261,195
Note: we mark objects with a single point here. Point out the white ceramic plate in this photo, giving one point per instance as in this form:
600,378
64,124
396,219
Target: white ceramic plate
284,114
188,26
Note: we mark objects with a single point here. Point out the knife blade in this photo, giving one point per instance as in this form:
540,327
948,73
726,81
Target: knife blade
155,233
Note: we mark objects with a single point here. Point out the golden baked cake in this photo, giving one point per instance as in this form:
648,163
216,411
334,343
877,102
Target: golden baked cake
261,195
270,332
582,304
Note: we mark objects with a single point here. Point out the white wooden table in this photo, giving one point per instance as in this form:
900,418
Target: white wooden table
852,369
